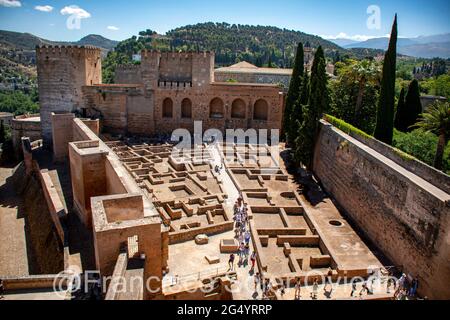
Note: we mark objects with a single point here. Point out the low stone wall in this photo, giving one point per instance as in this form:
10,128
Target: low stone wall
34,282
404,214
25,126
183,236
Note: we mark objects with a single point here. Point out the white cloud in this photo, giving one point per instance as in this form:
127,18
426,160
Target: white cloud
10,3
76,11
113,28
357,37
44,8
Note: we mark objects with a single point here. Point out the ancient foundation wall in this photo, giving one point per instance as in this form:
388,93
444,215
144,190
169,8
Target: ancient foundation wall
404,215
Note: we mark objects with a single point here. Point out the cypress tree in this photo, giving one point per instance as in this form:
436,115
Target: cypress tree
413,105
296,118
400,116
318,103
384,129
2,132
294,88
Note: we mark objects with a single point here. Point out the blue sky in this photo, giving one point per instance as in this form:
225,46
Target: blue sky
126,18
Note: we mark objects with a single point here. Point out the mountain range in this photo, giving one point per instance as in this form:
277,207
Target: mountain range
420,47
27,41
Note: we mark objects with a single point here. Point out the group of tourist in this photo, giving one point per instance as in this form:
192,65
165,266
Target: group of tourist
404,288
242,233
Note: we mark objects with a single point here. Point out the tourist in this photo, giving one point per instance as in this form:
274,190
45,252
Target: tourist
315,289
282,289
414,287
267,288
2,289
247,237
241,236
242,249
353,288
231,263
297,289
328,282
253,260
247,251
363,289
257,280
390,282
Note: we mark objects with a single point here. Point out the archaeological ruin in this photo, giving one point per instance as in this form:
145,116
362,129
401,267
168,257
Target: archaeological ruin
118,195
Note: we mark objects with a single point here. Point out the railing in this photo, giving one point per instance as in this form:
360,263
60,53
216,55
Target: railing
174,84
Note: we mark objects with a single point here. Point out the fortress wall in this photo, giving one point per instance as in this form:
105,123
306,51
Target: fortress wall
402,214
111,103
128,74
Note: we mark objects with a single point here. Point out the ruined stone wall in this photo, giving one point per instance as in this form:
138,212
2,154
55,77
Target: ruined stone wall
402,214
62,71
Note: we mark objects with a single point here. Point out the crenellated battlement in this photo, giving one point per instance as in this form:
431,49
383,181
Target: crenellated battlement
68,50
176,55
128,67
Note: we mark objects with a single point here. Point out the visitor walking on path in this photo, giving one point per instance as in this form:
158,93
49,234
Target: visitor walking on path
353,288
257,280
298,289
2,289
231,262
253,260
315,289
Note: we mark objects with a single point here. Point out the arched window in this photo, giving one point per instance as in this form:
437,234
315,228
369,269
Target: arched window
186,109
216,109
261,110
238,109
167,108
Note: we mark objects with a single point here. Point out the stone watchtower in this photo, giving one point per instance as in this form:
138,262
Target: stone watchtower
62,72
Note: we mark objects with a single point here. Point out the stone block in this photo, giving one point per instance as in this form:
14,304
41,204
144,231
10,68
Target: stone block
212,259
201,239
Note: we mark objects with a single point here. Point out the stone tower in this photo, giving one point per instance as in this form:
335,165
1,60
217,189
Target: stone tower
62,72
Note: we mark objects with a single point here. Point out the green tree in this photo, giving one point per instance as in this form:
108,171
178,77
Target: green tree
413,106
296,118
354,93
384,129
294,88
318,103
400,117
437,121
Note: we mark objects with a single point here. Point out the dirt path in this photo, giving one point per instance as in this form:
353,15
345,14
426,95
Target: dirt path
13,244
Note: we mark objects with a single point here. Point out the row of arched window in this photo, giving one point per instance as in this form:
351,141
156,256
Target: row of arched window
217,110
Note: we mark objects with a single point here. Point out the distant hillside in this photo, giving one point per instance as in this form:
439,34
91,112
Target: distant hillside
380,43
97,41
255,44
420,47
343,42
